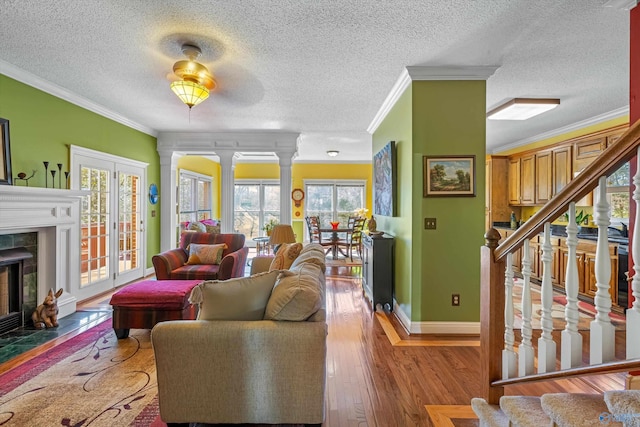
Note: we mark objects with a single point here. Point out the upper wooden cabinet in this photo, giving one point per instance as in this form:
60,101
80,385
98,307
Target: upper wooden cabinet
527,179
514,181
584,152
543,185
561,168
496,202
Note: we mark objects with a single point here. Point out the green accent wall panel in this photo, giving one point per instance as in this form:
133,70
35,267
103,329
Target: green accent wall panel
43,126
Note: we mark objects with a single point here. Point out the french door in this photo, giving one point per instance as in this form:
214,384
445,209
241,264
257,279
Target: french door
111,218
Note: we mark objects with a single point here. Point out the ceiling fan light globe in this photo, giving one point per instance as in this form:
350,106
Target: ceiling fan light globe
190,93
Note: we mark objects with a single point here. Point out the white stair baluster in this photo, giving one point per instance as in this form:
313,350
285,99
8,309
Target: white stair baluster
525,350
508,354
571,347
602,340
633,313
546,344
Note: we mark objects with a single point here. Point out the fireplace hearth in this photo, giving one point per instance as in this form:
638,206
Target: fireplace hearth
11,288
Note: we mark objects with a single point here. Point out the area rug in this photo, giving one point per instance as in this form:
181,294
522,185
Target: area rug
91,380
343,262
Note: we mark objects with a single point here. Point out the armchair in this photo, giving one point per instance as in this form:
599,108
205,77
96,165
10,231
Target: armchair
171,265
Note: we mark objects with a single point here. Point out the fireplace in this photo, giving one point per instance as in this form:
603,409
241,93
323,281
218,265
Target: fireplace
11,288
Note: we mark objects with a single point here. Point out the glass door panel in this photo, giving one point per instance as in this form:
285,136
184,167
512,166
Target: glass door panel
130,227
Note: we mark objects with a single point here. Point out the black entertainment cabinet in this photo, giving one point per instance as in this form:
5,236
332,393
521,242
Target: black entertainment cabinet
377,270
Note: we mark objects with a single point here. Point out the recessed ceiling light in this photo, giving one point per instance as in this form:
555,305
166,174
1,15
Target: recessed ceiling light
332,153
522,108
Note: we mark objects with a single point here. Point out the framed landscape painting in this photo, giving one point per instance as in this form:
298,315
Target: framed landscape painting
384,180
449,176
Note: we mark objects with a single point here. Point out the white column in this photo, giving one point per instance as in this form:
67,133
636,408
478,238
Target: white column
546,344
227,182
285,162
168,202
571,349
525,350
508,354
633,314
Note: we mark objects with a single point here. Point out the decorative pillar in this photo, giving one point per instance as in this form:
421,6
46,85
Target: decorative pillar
227,183
168,202
285,159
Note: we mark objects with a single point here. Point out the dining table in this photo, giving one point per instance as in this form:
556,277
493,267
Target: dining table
335,238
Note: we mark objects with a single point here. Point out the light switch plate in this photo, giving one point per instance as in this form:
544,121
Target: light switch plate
429,223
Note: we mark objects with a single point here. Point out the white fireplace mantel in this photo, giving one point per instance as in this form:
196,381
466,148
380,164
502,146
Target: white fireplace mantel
55,215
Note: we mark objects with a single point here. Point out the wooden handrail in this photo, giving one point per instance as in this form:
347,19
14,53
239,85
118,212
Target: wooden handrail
608,162
604,368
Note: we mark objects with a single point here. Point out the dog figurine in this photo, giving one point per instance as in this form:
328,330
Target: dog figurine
46,314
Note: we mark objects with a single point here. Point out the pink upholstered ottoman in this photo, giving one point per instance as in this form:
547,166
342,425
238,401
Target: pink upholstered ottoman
143,304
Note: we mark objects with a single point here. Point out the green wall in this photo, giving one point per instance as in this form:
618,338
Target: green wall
436,118
43,126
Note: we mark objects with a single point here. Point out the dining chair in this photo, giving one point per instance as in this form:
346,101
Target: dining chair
354,238
315,236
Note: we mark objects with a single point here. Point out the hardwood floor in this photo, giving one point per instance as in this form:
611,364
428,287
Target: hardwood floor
377,375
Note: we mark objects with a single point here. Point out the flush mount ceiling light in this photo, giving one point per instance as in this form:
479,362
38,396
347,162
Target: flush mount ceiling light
332,153
522,108
193,79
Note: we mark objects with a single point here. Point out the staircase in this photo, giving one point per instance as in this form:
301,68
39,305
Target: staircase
505,362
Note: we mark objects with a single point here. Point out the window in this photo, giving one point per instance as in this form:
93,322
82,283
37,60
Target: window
334,200
194,198
256,203
618,194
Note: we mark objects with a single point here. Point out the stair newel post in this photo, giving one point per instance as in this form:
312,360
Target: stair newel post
508,354
525,350
546,344
571,347
602,331
633,313
491,317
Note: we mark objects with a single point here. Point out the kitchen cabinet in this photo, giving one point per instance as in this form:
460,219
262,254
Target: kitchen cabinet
586,151
527,179
561,159
586,256
496,197
514,181
543,172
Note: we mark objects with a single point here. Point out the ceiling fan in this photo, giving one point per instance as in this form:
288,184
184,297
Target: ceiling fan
191,81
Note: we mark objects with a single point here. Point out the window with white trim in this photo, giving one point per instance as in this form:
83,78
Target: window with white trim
256,204
334,200
194,197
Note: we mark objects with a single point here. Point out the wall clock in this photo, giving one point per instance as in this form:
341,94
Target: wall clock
297,195
153,194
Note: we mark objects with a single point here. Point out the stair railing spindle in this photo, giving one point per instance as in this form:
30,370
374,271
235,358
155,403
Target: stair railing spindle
508,353
602,331
525,350
571,340
633,313
546,344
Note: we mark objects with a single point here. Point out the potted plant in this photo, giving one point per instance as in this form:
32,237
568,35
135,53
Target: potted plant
269,226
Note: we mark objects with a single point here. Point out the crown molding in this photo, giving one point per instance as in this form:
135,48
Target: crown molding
420,73
39,83
614,114
621,4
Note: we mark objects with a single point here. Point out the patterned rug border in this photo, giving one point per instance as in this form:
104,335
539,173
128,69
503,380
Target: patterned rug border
44,361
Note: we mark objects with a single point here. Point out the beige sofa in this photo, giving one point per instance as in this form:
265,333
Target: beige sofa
249,371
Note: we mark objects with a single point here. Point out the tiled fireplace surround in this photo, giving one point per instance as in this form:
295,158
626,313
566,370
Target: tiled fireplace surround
54,215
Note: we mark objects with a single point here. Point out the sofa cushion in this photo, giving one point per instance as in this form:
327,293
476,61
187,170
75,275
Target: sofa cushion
311,253
296,295
287,253
205,254
242,298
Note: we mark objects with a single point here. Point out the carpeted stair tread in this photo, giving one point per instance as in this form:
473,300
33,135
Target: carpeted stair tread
624,405
489,415
576,409
524,411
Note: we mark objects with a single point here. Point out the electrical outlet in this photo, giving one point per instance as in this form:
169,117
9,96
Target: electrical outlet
429,223
455,300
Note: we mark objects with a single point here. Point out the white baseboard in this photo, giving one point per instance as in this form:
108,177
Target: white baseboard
66,305
448,328
149,272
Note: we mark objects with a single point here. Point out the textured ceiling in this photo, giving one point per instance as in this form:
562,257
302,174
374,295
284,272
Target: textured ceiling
321,68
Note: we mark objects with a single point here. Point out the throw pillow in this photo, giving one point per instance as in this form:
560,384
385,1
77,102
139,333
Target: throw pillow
311,253
197,226
296,295
242,298
205,254
287,253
